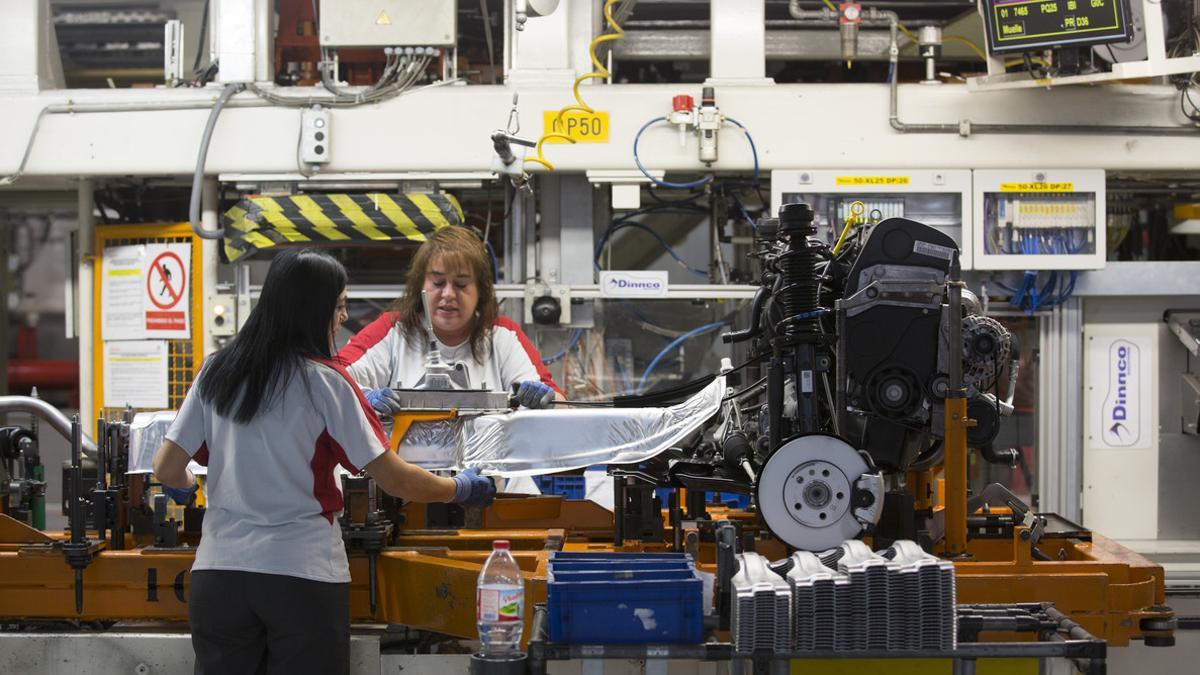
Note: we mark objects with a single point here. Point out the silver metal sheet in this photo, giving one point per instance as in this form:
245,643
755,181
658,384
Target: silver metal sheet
509,444
432,445
146,434
532,442
434,399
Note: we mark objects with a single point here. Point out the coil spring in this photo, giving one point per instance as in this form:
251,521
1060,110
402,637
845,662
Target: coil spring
798,267
798,295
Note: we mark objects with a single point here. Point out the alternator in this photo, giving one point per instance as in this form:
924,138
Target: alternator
986,345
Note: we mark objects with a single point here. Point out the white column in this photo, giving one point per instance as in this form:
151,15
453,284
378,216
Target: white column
208,262
29,59
83,298
739,42
241,39
552,50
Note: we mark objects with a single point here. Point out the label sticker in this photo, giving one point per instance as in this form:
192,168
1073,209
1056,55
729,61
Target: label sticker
500,603
639,284
579,126
872,180
933,250
1037,187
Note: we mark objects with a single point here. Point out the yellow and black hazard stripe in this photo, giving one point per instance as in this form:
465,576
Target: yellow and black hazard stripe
259,222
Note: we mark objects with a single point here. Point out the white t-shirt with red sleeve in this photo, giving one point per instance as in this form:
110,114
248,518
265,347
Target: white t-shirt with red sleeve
381,356
273,496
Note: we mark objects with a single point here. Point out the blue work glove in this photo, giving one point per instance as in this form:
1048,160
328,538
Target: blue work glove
471,489
181,496
384,401
534,394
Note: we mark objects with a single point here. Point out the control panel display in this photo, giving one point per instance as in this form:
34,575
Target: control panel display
1027,25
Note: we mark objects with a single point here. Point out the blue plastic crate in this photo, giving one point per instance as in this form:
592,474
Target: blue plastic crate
631,565
730,499
734,500
567,557
569,487
623,575
618,598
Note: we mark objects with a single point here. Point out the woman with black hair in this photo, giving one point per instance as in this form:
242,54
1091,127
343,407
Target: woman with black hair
271,415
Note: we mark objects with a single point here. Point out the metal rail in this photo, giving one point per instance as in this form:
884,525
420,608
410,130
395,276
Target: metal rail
1059,637
577,291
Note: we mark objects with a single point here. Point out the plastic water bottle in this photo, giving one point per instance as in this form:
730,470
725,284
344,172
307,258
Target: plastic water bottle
500,602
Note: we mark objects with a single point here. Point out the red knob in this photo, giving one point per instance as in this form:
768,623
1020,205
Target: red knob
682,103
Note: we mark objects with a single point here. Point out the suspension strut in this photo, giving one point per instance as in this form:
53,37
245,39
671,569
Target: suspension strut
794,347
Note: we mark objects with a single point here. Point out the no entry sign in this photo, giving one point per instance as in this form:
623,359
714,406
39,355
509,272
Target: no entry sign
146,292
166,292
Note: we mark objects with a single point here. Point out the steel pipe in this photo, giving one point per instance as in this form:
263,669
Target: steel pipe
49,414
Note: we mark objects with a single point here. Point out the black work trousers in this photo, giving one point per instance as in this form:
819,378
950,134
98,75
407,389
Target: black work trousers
268,624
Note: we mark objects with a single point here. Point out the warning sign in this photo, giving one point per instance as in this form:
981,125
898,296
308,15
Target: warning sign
145,292
166,286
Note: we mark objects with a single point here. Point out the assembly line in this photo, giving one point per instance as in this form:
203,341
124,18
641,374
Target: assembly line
601,336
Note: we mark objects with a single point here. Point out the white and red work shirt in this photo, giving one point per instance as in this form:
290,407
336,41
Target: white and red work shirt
273,497
381,356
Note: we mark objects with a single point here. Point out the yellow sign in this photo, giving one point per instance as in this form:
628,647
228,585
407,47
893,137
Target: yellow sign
872,180
383,19
579,126
1037,187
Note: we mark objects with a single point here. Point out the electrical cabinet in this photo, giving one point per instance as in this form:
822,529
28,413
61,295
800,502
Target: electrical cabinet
1051,219
940,199
388,23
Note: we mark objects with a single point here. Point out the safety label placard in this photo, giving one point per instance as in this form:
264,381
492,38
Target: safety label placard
135,374
578,125
145,292
872,180
1037,187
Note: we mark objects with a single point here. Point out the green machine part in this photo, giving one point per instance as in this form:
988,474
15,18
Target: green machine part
38,507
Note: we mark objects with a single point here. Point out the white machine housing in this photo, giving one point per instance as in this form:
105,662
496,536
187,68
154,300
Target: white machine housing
388,23
938,198
1055,201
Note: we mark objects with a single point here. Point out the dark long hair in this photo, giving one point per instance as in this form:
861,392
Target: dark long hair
462,249
290,322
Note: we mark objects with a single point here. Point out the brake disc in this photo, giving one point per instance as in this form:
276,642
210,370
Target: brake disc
810,492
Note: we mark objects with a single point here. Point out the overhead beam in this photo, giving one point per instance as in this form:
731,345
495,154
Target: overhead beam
448,129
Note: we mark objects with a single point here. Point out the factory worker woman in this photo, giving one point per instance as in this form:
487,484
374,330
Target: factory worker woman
454,270
272,415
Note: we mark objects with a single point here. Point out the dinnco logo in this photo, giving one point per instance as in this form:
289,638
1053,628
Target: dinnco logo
636,284
633,284
1121,415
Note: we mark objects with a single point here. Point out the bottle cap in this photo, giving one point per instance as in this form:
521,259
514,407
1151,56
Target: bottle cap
500,544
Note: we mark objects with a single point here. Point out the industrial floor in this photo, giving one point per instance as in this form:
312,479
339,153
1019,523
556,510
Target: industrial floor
145,653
